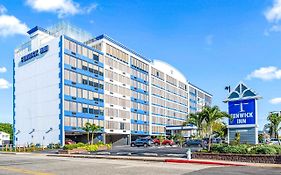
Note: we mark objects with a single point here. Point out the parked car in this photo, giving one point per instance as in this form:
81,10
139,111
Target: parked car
274,141
195,142
164,142
69,142
142,142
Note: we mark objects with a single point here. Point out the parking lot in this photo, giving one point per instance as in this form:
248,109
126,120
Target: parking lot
160,151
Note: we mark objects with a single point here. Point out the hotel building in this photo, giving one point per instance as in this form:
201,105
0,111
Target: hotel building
64,78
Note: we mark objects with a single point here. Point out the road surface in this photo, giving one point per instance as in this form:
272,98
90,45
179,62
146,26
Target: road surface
37,164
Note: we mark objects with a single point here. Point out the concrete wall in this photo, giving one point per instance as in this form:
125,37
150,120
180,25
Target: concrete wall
37,96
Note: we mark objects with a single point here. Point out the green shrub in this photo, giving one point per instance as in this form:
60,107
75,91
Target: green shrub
235,149
218,148
277,148
91,148
263,149
246,149
73,146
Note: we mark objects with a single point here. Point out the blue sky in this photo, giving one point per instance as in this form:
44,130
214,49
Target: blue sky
214,43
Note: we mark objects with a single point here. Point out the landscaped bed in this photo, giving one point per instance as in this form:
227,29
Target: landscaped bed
84,148
242,153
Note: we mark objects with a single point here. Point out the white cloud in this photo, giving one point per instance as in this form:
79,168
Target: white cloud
60,7
10,25
91,7
275,100
2,9
209,39
3,69
266,73
273,14
4,84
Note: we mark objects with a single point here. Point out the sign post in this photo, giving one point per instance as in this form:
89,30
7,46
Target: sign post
242,106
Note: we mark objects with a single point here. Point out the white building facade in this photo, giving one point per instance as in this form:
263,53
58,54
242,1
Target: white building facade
4,138
64,80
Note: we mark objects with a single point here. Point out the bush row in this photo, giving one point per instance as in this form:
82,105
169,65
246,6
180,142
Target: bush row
87,147
246,149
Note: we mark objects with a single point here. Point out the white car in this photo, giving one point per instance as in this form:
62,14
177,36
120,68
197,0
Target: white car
274,141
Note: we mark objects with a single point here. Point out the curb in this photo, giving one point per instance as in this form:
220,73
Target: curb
3,152
202,162
152,159
108,157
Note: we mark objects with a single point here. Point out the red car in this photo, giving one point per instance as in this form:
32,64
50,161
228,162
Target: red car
69,142
165,142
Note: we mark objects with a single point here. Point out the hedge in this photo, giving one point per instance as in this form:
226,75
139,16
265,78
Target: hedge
246,149
87,147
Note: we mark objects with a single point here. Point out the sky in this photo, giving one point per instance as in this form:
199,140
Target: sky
214,43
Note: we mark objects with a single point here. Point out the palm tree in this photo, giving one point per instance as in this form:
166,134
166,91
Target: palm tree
196,119
274,122
211,115
269,128
94,128
87,128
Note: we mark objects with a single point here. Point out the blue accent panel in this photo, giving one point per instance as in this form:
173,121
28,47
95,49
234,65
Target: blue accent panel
14,104
169,99
167,116
192,93
139,111
139,79
192,101
200,89
139,132
83,86
160,124
83,72
138,69
84,45
158,133
158,114
85,101
121,45
139,122
194,108
139,101
76,129
61,91
139,90
158,86
168,108
34,29
73,129
83,115
82,57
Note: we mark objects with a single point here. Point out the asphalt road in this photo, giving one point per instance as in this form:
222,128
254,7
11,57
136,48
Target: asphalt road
41,165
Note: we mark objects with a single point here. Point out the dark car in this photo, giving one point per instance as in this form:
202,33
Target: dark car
195,142
142,142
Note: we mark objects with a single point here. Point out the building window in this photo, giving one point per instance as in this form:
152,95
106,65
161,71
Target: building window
85,110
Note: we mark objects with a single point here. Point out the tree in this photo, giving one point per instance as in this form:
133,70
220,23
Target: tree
274,122
211,115
87,128
7,128
269,128
196,119
93,129
220,129
161,138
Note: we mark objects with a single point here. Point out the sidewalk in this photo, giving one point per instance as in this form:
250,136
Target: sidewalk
169,160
